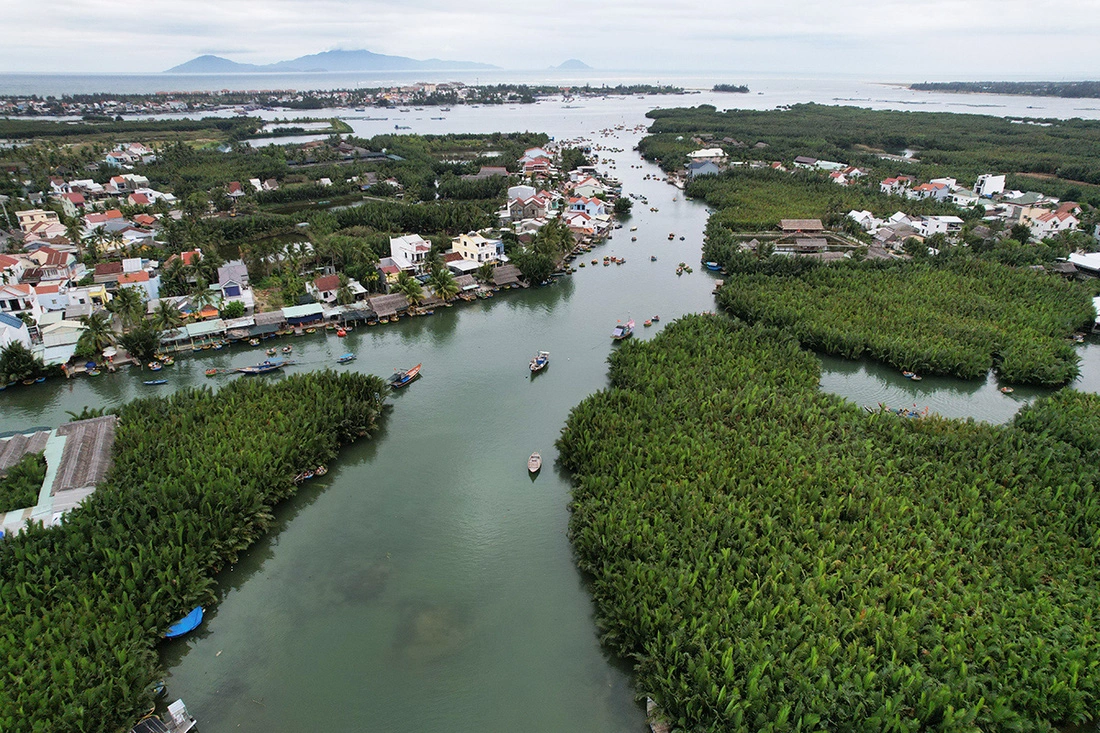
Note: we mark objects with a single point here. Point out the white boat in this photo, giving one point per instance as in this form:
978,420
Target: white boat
534,463
540,361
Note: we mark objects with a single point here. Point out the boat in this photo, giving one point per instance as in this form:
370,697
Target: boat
311,329
712,266
540,362
185,624
623,331
151,382
288,349
341,333
93,372
647,323
403,378
178,721
211,372
1007,390
633,239
167,361
633,229
657,723
28,382
155,366
656,319
653,258
253,342
320,471
345,358
265,367
534,463
272,351
39,380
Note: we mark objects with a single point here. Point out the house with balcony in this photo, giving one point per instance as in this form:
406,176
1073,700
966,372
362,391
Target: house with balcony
476,248
410,252
19,298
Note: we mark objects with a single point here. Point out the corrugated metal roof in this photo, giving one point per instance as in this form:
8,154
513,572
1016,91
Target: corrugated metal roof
301,311
205,328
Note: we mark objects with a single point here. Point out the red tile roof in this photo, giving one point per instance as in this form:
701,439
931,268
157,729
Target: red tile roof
327,282
108,268
141,276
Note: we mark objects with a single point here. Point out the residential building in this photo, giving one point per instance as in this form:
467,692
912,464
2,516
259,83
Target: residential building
30,219
148,285
59,341
702,168
805,161
476,248
72,204
895,186
13,330
947,225
1052,223
937,191
19,298
591,206
52,296
988,185
964,197
712,155
410,252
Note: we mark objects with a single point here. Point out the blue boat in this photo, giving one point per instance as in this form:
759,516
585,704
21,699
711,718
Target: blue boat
345,358
151,382
266,366
712,266
540,362
185,624
623,331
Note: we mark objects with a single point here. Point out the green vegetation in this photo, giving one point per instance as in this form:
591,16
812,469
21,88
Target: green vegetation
755,200
772,558
959,316
946,144
17,363
222,127
1071,89
194,479
19,487
735,88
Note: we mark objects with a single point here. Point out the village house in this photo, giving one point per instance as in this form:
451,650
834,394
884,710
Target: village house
707,155
947,225
410,252
989,185
805,161
936,191
72,204
588,188
31,219
12,268
233,285
476,248
146,284
702,168
1051,223
13,330
19,298
52,296
895,186
233,190
591,206
324,288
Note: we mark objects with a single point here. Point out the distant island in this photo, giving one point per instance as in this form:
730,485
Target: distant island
325,61
737,88
572,65
1068,89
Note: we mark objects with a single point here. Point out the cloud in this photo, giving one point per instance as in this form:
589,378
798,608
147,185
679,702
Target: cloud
913,38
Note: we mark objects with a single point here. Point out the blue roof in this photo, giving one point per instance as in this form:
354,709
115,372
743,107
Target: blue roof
9,320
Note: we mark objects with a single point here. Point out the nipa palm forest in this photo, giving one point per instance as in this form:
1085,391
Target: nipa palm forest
193,483
957,316
773,558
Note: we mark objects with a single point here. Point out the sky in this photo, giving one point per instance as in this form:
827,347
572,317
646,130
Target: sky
903,40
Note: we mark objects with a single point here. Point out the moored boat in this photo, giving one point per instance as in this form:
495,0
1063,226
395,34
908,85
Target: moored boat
151,382
623,330
185,624
1007,390
540,362
657,723
534,463
403,378
712,266
155,366
345,358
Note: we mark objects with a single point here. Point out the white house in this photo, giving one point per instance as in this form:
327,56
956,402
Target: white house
19,298
988,185
59,341
714,155
947,225
951,183
521,192
12,330
865,219
1052,223
591,206
53,296
588,188
476,248
895,186
937,191
964,197
410,252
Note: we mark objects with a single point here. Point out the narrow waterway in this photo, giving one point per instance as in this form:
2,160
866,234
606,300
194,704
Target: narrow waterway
427,583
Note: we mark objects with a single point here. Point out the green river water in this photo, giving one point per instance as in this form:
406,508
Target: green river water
427,583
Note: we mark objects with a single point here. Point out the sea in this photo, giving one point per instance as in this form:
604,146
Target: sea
767,91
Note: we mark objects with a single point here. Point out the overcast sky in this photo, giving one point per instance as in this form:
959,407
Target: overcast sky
904,40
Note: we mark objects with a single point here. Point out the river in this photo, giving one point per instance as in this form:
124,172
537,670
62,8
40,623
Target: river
427,583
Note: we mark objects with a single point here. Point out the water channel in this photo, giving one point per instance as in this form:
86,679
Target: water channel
427,583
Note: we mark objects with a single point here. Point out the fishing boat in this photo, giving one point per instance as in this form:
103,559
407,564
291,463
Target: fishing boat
1007,390
167,361
653,258
211,372
265,367
253,342
910,375
540,362
345,358
185,624
93,372
647,323
623,330
272,351
341,333
151,382
534,463
712,266
178,721
155,366
403,378
288,349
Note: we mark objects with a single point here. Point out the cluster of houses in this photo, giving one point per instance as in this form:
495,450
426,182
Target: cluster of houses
581,199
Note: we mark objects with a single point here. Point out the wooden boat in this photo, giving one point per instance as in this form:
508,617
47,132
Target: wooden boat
211,372
320,471
272,351
39,380
341,333
345,358
623,330
403,378
178,720
311,330
185,624
265,367
167,361
534,463
151,382
1007,390
93,372
647,323
712,266
253,342
28,382
656,319
155,366
288,349
540,362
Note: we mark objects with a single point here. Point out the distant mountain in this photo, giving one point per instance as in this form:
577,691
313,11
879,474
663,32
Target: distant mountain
572,65
325,61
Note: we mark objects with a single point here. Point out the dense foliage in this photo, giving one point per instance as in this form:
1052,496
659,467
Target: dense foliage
961,317
224,126
1070,89
194,478
946,144
20,485
756,199
773,558
17,363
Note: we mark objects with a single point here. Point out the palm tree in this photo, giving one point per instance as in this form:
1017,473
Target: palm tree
167,317
409,287
98,334
129,305
343,293
486,271
443,284
203,296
